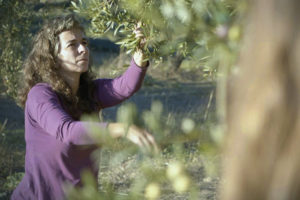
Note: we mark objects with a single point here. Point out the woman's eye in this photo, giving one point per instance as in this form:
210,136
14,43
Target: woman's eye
72,45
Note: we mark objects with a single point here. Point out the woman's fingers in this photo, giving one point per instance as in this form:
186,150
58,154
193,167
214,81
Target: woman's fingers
143,139
139,34
146,144
138,30
138,25
152,142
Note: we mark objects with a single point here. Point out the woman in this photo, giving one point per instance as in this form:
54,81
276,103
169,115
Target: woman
57,90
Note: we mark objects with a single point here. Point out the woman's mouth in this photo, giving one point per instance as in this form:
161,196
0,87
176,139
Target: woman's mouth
83,60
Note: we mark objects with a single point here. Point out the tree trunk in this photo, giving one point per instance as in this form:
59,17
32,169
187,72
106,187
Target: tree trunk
262,150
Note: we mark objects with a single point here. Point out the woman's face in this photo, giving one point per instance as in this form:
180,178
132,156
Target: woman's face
73,54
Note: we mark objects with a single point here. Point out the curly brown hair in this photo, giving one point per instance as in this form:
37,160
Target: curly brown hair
41,66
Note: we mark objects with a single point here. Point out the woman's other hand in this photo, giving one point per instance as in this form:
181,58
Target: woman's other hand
138,136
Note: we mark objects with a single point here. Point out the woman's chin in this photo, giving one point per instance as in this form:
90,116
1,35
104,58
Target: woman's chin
83,68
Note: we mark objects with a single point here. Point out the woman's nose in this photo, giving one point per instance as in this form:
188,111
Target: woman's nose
82,49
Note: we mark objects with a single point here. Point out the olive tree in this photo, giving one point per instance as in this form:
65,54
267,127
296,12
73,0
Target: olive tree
15,21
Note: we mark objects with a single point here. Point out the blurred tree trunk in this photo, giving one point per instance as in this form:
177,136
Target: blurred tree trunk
121,58
262,150
175,62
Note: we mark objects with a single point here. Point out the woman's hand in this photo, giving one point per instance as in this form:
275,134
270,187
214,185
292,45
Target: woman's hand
136,135
139,56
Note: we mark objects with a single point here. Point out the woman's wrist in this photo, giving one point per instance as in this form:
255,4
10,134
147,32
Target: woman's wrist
116,130
139,58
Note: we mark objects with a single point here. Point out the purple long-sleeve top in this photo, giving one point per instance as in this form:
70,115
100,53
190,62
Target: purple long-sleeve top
59,148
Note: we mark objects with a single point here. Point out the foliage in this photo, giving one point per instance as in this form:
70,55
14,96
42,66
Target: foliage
12,157
127,172
197,30
15,22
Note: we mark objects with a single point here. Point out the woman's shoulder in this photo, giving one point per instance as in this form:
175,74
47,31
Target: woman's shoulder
41,91
41,88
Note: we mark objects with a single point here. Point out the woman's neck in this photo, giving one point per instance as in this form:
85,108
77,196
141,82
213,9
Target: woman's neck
72,79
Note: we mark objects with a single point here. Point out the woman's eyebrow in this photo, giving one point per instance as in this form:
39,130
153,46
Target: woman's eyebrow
84,39
71,41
